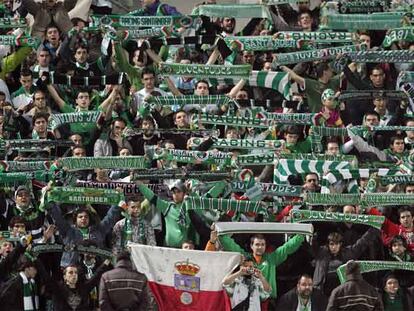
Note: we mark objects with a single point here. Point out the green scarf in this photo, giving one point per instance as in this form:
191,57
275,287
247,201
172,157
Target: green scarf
268,189
406,76
398,34
391,56
204,71
324,36
359,95
72,195
7,235
58,248
30,297
254,159
288,118
156,174
350,22
397,179
134,34
232,120
244,144
21,166
260,43
190,100
33,144
370,266
57,120
362,6
19,41
11,22
311,216
313,55
23,177
133,162
233,10
263,227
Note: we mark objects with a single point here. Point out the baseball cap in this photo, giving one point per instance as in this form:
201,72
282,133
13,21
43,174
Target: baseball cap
178,185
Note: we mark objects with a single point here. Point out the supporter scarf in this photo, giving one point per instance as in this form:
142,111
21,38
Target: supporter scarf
11,22
370,266
362,6
232,120
397,179
288,118
128,187
191,157
254,159
30,297
8,236
368,199
190,100
311,216
59,119
406,76
317,157
71,195
324,36
156,174
19,41
278,81
58,248
204,71
313,55
371,94
19,144
286,167
344,174
391,56
244,144
232,10
55,78
262,227
398,34
140,131
42,175
224,205
349,22
20,166
133,162
128,21
260,43
269,189
133,34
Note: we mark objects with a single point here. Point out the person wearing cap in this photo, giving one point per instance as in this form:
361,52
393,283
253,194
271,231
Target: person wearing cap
133,228
355,293
329,115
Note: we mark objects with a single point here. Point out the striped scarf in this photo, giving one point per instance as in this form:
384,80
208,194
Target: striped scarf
278,81
30,298
262,227
232,10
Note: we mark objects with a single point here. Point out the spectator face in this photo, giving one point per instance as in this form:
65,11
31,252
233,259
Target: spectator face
39,100
40,125
409,189
365,39
19,229
305,21
267,66
391,286
77,139
258,247
201,89
50,3
117,128
43,59
81,55
248,57
348,209
6,248
398,248
134,209
188,246
371,120
410,134
311,182
377,78
406,219
242,95
82,220
304,287
52,35
232,134
181,120
228,25
30,272
332,148
124,152
71,276
178,195
398,146
149,81
291,139
334,247
26,82
79,153
23,198
83,100
380,105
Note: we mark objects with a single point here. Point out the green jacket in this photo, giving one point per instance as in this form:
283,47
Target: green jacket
269,261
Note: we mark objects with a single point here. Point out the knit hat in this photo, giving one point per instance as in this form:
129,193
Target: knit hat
21,188
328,94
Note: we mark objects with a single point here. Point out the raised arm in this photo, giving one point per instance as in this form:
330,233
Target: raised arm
282,252
56,97
294,76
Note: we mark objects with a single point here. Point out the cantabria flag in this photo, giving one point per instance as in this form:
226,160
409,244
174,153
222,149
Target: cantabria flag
184,279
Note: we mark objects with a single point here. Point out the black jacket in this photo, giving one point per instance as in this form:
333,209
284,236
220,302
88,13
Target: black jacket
289,301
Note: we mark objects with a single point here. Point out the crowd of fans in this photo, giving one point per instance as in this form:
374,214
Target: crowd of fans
77,67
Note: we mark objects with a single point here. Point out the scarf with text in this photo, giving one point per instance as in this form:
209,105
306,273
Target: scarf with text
11,22
156,174
130,189
58,119
190,100
56,78
391,56
71,195
375,21
85,163
260,43
262,227
398,34
245,144
19,41
232,10
254,159
268,189
58,248
21,166
232,120
361,6
366,94
33,144
323,36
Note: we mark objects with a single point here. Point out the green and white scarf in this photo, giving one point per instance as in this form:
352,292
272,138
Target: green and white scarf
59,119
350,22
42,175
71,195
391,56
232,10
244,144
11,22
73,164
370,266
288,118
357,95
276,80
58,248
362,6
262,227
313,55
224,205
398,34
397,179
134,34
21,166
318,216
204,71
254,159
406,76
322,37
19,41
190,100
8,236
156,174
191,157
232,120
30,297
268,189
260,43
30,144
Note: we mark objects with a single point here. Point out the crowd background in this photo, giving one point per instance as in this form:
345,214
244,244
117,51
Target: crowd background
182,138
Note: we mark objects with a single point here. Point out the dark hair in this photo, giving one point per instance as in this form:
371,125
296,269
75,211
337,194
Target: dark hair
258,236
118,119
24,263
188,242
396,137
372,113
304,275
335,237
81,90
167,141
26,72
399,239
404,209
292,129
40,115
379,68
304,12
147,71
17,220
123,255
79,210
81,46
201,81
352,267
320,68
